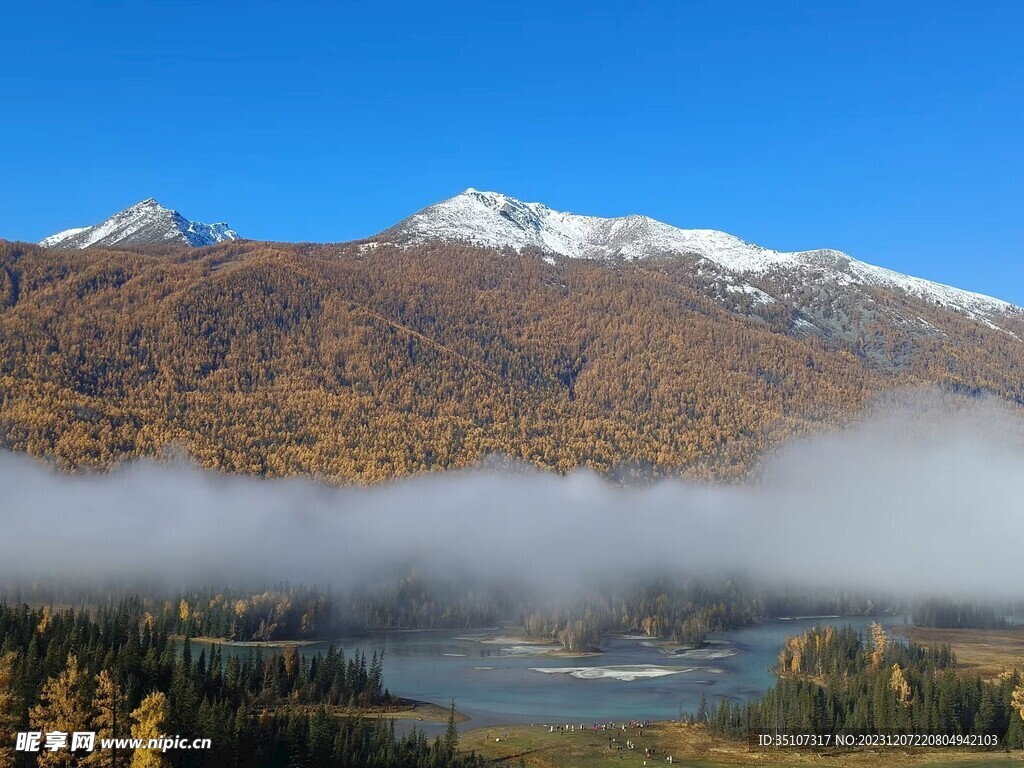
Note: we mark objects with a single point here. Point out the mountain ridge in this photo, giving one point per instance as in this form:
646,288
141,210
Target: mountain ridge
495,220
144,223
492,219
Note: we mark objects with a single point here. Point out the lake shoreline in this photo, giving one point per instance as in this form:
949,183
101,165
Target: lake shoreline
401,708
246,643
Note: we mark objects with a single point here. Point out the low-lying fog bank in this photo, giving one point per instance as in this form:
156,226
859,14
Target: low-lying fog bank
925,496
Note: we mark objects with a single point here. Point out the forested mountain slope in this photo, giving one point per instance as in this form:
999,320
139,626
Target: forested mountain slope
367,361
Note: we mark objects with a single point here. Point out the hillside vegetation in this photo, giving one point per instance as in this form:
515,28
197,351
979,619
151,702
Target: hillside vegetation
365,362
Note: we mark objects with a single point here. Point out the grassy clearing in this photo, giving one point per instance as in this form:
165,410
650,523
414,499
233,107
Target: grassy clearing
691,747
984,651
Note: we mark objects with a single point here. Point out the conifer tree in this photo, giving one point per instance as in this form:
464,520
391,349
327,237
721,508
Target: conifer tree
880,642
150,722
321,736
9,709
704,710
109,719
1017,701
900,686
451,734
61,708
376,676
984,720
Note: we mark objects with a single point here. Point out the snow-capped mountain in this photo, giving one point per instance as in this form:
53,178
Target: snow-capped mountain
145,223
491,219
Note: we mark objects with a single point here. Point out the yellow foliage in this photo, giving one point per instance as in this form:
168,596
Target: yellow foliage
9,711
1018,699
150,722
60,708
320,360
880,642
898,683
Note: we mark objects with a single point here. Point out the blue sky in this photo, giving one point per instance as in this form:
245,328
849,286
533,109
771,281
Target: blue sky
892,131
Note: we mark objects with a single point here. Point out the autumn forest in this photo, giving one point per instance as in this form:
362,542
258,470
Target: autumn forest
364,362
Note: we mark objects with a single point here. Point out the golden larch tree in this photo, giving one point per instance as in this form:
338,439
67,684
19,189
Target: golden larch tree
149,722
8,710
109,719
61,708
880,642
900,686
1018,699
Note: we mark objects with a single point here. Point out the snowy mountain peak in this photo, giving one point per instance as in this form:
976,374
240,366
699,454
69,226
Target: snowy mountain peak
497,220
145,223
494,220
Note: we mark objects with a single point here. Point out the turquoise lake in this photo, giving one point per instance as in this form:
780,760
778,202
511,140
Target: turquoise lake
502,682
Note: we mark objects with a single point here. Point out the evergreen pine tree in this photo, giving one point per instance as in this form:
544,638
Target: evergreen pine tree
321,737
451,734
704,710
984,721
